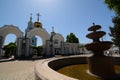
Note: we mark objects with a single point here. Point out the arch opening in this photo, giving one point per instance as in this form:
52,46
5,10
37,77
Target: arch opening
9,45
10,38
39,41
43,34
5,31
36,45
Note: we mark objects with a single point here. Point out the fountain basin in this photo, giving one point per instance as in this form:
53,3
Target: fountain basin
96,35
94,28
46,69
97,46
102,67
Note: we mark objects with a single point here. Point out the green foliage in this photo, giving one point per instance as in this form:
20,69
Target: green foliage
34,47
115,30
71,38
10,49
39,49
81,46
113,5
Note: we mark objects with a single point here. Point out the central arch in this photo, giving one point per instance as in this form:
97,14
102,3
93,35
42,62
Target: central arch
43,34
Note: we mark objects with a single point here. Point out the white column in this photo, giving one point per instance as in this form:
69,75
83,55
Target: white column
74,48
1,43
19,47
27,47
53,48
62,47
47,47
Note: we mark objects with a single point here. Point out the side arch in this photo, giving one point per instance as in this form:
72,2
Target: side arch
43,34
58,38
7,29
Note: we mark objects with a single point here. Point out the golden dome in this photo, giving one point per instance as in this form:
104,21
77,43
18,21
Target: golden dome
38,24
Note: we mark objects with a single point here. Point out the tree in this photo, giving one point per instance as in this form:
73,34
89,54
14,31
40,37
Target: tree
39,49
71,38
113,5
10,49
115,30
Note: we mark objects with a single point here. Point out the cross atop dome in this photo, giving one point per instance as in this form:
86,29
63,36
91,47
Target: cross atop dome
52,28
38,14
38,23
30,16
53,32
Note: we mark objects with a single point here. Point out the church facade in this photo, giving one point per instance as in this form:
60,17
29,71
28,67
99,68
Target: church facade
52,43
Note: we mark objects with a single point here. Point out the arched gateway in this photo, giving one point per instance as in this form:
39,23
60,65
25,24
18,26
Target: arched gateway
52,43
8,29
42,33
24,48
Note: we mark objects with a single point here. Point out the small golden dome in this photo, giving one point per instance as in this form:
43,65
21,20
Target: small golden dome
38,24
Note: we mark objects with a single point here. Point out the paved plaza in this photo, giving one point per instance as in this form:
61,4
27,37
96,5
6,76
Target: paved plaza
22,69
17,70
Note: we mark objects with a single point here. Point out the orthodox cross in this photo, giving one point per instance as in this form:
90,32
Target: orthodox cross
38,16
30,16
52,28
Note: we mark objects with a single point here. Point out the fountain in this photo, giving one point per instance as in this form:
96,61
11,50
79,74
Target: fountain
99,64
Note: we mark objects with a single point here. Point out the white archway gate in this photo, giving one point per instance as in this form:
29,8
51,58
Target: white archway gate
58,40
43,34
8,29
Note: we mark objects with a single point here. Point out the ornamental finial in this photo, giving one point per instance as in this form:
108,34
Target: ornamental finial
38,14
30,16
52,28
93,24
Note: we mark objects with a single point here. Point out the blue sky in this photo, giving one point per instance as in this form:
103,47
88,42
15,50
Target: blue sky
65,15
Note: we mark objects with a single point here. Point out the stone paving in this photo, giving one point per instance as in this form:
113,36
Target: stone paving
17,70
20,69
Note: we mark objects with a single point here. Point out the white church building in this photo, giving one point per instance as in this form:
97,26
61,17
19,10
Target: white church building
52,43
